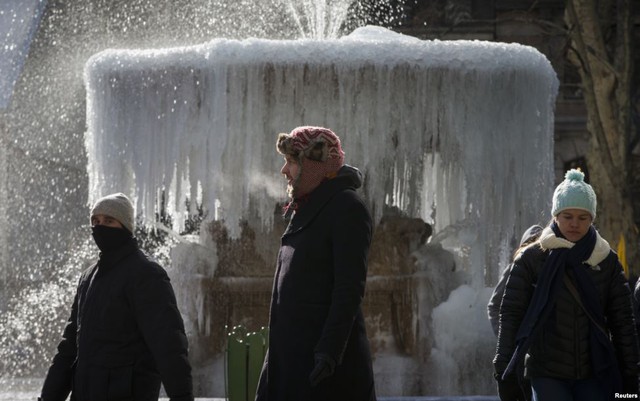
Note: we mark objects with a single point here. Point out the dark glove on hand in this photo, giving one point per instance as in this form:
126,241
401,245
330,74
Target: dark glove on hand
325,366
509,389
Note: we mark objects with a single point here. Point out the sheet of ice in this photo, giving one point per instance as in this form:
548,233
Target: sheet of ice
459,133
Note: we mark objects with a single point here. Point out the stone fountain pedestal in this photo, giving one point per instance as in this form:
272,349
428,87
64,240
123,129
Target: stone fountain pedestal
229,283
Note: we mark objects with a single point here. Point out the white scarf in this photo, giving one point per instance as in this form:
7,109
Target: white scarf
548,240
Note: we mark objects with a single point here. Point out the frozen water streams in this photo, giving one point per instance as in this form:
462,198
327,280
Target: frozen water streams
459,134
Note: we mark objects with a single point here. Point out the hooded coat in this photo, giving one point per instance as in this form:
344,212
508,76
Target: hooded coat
316,301
125,334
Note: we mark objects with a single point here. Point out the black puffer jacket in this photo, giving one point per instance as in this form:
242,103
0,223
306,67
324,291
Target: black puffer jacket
561,349
317,292
124,336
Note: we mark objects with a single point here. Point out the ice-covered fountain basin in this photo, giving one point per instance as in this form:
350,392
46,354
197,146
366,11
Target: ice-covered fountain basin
457,133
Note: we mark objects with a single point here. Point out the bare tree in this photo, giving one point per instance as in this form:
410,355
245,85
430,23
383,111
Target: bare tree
601,36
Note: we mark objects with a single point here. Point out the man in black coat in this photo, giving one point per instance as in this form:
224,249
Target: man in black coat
318,347
125,334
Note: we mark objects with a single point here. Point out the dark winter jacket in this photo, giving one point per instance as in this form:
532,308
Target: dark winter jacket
562,348
124,336
493,307
318,289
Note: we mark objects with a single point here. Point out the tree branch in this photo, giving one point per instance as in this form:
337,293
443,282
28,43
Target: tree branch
585,70
634,137
604,62
624,63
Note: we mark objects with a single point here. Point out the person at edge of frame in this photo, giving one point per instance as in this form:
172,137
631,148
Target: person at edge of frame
530,235
566,310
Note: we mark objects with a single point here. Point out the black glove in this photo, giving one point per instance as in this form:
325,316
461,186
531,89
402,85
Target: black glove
509,389
325,366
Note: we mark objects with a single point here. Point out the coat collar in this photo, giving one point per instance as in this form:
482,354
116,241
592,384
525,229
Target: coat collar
348,177
548,240
109,259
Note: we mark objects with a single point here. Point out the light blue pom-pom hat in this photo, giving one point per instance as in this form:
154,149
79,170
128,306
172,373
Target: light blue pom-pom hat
574,193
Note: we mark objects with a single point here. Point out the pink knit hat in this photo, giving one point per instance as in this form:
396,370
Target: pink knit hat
318,152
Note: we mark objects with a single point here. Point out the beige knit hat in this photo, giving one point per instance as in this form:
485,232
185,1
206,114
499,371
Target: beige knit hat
117,206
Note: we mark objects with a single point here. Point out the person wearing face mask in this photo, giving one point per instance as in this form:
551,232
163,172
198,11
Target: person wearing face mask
318,346
125,334
567,312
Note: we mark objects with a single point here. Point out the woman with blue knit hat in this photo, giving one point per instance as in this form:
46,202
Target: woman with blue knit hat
566,311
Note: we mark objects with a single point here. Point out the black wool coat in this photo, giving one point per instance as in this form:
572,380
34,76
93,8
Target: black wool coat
316,302
125,334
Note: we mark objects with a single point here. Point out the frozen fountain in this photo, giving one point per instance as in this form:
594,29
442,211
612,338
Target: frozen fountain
43,161
455,140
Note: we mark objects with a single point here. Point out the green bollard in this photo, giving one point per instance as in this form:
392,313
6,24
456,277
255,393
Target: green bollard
244,357
236,363
255,352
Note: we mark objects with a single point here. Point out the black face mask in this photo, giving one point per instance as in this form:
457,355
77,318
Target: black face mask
110,238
